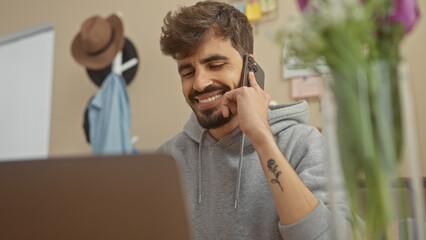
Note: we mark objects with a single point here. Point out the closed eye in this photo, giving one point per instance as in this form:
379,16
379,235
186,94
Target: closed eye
216,66
187,73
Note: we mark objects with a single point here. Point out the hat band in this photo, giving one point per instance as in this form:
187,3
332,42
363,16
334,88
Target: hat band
111,40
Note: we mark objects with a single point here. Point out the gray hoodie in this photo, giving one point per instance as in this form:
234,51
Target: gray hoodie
227,193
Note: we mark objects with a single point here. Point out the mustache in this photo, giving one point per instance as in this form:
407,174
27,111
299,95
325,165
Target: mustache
209,88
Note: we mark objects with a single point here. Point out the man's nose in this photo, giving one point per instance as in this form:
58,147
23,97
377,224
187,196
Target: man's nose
202,80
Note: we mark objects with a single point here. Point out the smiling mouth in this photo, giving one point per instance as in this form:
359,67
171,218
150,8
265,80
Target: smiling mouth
210,99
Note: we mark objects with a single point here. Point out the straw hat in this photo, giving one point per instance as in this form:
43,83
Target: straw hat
98,41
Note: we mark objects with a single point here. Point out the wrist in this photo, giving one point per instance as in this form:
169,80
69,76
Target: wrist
261,137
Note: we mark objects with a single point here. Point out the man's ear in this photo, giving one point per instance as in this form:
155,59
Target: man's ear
251,55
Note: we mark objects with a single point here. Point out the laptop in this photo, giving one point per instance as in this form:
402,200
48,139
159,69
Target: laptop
93,197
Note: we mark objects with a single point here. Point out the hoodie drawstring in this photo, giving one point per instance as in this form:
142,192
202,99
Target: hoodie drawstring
240,166
199,164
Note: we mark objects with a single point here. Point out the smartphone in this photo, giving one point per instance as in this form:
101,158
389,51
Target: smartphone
249,65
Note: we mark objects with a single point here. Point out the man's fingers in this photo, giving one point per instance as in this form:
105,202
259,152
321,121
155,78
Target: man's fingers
226,105
229,104
252,80
225,111
233,107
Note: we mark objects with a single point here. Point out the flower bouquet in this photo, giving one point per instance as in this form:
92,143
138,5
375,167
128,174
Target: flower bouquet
359,41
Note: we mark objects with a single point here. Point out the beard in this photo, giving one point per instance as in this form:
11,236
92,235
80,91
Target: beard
211,118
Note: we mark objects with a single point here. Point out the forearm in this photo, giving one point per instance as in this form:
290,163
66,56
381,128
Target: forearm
293,199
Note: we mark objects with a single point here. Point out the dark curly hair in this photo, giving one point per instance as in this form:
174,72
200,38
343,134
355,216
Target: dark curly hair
184,31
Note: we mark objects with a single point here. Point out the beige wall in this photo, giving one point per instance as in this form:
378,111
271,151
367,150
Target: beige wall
158,108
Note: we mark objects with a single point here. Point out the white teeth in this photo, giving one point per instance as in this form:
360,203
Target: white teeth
210,99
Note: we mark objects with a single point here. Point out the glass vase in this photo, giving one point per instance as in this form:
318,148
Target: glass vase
365,135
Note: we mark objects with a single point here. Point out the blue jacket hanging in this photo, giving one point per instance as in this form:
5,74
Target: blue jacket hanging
109,118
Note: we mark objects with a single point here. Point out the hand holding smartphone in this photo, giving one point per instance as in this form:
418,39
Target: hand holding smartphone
229,103
250,65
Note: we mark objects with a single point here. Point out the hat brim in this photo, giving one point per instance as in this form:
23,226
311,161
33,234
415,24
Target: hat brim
106,57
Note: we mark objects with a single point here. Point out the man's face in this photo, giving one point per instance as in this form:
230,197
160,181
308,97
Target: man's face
213,70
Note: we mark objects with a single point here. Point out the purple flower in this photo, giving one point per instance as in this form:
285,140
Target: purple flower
302,4
406,12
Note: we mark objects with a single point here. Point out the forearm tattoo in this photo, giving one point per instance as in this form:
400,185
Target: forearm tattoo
272,166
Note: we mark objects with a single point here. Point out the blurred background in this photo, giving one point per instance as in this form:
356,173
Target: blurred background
158,108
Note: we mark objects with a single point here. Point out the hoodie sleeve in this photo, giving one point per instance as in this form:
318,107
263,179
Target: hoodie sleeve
306,152
314,226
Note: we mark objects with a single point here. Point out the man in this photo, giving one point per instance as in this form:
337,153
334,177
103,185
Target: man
251,172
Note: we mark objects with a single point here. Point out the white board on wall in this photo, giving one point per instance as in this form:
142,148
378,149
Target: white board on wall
26,70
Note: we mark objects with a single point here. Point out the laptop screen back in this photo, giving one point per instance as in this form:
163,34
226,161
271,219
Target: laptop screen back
96,197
